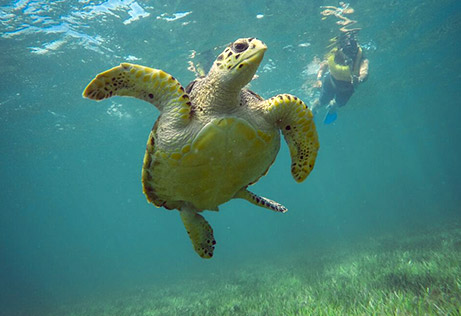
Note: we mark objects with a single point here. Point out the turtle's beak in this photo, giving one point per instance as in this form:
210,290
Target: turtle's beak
259,48
256,49
259,44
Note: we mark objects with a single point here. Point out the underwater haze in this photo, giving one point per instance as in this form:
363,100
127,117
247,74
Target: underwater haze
374,229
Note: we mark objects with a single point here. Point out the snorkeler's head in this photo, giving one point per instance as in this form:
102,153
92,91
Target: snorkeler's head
347,43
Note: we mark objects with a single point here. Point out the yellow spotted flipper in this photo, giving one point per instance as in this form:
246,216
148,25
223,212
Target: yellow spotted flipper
297,124
200,232
152,85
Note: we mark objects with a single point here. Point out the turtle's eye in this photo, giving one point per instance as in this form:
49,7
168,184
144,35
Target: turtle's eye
239,47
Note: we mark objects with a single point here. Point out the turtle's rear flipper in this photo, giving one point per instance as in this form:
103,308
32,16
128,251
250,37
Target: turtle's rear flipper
200,232
260,201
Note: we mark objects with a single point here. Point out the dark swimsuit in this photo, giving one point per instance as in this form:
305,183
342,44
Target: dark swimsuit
332,88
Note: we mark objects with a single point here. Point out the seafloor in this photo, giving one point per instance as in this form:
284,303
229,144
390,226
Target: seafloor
418,273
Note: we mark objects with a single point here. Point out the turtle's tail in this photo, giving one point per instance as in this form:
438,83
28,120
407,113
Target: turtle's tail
200,232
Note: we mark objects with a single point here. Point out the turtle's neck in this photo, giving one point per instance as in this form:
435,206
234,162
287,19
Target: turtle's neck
215,96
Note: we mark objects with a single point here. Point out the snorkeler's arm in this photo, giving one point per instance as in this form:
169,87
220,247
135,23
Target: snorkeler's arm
323,67
320,73
363,72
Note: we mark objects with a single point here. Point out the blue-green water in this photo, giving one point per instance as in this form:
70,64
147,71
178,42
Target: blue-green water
74,223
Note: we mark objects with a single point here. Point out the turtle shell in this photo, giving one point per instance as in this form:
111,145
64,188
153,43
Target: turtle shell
225,156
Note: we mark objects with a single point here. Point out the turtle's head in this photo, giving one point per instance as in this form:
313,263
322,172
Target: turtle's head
237,64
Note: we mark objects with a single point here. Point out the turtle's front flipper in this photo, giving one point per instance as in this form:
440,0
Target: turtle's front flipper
200,232
152,85
295,120
260,201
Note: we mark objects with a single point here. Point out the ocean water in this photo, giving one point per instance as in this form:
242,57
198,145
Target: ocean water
77,236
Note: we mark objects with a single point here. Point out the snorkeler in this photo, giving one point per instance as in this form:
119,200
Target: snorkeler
339,74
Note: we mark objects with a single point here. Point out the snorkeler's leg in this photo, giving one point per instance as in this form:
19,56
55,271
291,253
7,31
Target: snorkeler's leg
314,106
343,96
328,91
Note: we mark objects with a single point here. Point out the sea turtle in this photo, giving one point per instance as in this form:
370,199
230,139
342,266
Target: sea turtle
214,138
